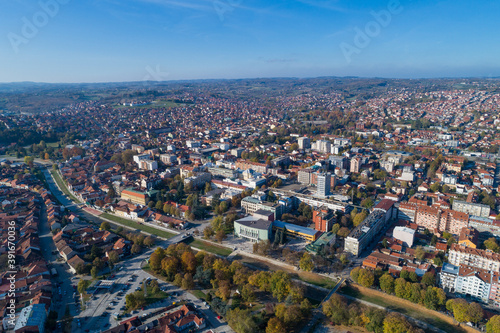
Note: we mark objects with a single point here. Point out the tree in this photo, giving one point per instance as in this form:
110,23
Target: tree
396,323
493,325
208,232
217,223
343,232
429,279
475,312
241,321
158,205
247,293
274,325
460,309
105,226
113,257
491,244
306,262
166,208
220,236
279,284
366,278
355,273
135,248
387,283
400,287
82,286
94,271
189,263
359,218
155,261
130,301
420,253
187,281
367,203
336,309
149,241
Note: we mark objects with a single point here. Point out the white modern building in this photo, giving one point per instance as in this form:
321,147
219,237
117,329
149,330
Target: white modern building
404,234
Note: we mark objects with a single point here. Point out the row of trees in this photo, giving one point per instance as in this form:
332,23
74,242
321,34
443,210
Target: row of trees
425,293
407,286
374,320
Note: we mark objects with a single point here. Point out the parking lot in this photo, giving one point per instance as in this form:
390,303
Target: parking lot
98,313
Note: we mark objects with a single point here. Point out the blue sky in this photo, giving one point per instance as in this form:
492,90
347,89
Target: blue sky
134,40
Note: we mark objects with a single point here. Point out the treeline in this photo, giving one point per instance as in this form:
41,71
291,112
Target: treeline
374,320
420,291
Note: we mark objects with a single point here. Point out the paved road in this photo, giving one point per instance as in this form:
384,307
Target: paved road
63,293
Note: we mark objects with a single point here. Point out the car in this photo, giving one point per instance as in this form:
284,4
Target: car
219,317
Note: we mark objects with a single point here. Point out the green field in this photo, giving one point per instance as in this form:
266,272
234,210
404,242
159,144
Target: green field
135,225
219,250
198,293
63,186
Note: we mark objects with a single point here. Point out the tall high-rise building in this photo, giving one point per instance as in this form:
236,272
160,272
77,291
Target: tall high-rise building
355,164
304,143
324,182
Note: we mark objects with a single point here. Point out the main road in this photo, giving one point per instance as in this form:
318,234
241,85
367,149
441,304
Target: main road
91,318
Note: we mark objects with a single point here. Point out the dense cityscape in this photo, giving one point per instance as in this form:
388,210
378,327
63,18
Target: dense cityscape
259,205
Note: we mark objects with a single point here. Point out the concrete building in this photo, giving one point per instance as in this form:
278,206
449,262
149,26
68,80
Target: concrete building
469,237
324,219
253,228
140,157
224,172
193,144
365,233
31,319
135,196
355,165
168,158
297,231
404,234
258,167
326,239
471,281
339,162
324,183
304,143
148,165
408,174
483,259
304,176
387,166
250,205
237,151
471,208
199,179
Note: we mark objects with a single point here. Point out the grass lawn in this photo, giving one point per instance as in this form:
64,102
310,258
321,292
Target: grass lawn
219,250
62,186
135,225
152,297
405,307
198,293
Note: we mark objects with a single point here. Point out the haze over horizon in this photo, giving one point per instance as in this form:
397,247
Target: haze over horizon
64,41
